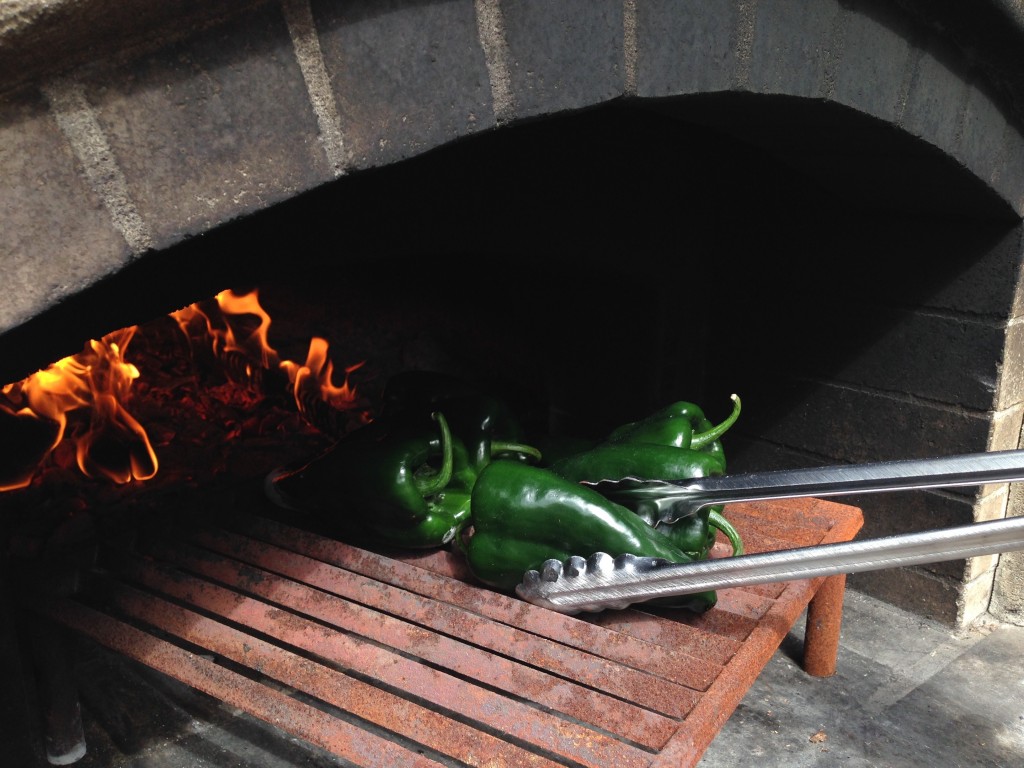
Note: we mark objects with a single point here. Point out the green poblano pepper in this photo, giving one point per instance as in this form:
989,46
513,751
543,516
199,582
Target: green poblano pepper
664,446
390,482
680,424
650,461
523,515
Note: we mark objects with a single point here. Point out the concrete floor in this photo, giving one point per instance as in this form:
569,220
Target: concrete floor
908,692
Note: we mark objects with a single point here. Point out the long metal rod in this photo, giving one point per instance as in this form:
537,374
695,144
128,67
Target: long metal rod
668,499
602,581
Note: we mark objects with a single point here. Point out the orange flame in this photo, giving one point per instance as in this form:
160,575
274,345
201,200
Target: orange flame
98,380
224,330
315,379
312,379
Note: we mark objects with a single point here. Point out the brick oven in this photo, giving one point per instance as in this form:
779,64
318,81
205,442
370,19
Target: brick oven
606,205
614,203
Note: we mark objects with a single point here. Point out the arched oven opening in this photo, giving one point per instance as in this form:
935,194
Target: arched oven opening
810,259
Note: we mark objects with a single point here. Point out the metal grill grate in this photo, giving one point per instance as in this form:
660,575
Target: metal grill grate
399,659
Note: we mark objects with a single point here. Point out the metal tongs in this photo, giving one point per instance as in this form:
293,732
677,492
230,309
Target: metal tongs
602,581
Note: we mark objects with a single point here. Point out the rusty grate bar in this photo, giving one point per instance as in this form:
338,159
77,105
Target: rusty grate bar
628,721
509,612
290,715
439,689
586,667
400,659
322,674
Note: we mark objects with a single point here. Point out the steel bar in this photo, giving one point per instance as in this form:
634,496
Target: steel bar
601,581
667,500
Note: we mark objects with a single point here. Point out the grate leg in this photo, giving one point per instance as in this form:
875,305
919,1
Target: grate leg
58,693
824,621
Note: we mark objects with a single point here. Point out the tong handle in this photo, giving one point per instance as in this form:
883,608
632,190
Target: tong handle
601,581
673,499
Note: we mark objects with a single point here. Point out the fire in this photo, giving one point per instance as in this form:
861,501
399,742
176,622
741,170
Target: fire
83,398
225,325
88,391
239,344
314,381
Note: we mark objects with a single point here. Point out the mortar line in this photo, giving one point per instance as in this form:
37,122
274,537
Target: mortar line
77,121
298,16
961,316
833,54
743,42
912,73
630,46
896,395
490,22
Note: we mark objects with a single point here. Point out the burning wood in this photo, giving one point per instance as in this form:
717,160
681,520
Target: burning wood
85,399
91,388
243,349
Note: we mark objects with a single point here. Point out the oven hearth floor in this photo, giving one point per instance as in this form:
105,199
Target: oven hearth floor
907,692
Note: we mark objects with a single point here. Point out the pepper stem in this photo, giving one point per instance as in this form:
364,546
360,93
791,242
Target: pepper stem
528,450
427,485
717,520
703,438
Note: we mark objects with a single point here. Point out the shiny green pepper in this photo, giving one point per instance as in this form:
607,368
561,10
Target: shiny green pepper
680,424
389,482
694,534
645,461
523,515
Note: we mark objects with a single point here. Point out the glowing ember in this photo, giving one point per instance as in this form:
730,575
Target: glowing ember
82,398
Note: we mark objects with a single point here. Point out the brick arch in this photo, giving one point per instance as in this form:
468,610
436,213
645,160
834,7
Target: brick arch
140,152
858,55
